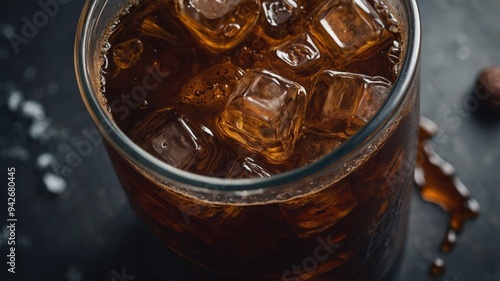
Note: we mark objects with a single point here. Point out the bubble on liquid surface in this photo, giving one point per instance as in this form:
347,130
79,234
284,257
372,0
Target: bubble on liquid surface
264,114
127,53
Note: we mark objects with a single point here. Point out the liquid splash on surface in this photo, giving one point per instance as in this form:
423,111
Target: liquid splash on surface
438,183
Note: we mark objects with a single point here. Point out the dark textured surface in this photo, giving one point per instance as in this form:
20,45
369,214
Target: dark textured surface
88,232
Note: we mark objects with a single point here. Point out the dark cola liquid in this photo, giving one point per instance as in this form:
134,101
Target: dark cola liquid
159,77
239,89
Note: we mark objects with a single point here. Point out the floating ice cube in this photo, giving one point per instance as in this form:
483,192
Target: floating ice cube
172,138
279,11
300,53
265,114
127,53
176,144
219,24
246,167
347,27
342,102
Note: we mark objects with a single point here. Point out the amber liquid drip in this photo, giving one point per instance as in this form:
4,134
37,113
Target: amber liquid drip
438,183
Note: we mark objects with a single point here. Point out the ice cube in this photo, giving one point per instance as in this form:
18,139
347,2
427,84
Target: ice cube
343,102
172,138
347,27
282,18
176,144
300,54
246,167
219,24
265,114
279,11
214,9
127,53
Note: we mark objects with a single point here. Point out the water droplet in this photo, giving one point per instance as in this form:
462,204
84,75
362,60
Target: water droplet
32,109
52,88
44,160
463,53
73,274
54,183
14,100
437,267
449,241
30,73
4,235
7,30
438,183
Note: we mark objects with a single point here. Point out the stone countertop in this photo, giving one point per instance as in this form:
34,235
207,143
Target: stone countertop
73,220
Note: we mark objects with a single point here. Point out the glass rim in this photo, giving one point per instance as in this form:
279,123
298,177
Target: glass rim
126,147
